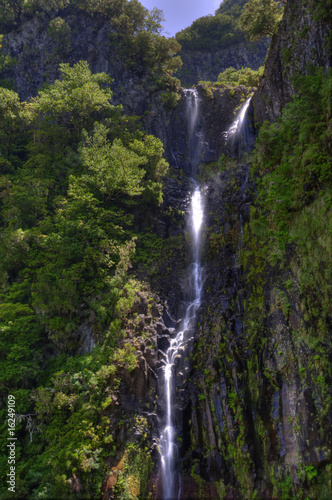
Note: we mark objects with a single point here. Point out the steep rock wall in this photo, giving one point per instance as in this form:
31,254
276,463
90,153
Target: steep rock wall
302,40
205,65
258,416
217,110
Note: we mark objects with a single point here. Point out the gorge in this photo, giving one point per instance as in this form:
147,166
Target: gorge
165,258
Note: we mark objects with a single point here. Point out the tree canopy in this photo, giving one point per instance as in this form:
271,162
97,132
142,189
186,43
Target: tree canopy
260,18
214,32
68,191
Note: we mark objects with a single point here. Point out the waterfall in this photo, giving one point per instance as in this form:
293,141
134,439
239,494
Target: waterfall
240,137
175,367
177,346
192,115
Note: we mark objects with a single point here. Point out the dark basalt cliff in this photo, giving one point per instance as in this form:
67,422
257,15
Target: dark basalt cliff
255,413
302,40
257,417
217,110
206,66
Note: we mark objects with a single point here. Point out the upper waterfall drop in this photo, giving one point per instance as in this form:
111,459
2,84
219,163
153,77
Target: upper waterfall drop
193,132
240,137
197,211
238,123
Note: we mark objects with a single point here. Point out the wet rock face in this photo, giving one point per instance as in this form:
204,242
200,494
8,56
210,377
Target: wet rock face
38,55
256,413
206,66
135,400
301,42
219,109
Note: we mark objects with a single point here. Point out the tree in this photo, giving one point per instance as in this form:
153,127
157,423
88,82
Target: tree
155,52
260,18
70,105
210,32
59,31
244,76
14,118
20,334
154,20
112,170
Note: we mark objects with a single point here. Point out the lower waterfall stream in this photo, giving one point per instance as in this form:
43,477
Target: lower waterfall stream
183,334
177,345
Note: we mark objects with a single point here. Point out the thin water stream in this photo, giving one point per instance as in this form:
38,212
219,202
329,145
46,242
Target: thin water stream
169,452
177,346
240,135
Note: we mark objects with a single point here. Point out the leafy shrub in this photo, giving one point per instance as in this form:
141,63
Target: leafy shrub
170,99
59,31
295,153
244,76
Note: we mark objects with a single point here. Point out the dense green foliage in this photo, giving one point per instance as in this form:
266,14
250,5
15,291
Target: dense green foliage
76,176
294,154
287,249
244,76
127,15
214,32
74,171
260,18
234,21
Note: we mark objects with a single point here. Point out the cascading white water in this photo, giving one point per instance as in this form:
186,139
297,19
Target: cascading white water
177,346
237,124
239,136
192,114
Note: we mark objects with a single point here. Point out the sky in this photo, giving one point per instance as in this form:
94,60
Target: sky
180,14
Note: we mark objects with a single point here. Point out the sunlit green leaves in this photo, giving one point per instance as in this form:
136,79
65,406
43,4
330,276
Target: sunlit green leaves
15,116
112,169
244,76
260,18
294,154
20,333
72,103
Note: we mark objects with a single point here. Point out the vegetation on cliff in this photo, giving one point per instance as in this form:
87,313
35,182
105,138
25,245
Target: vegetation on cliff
233,22
134,34
80,186
126,16
261,362
214,32
260,18
74,171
